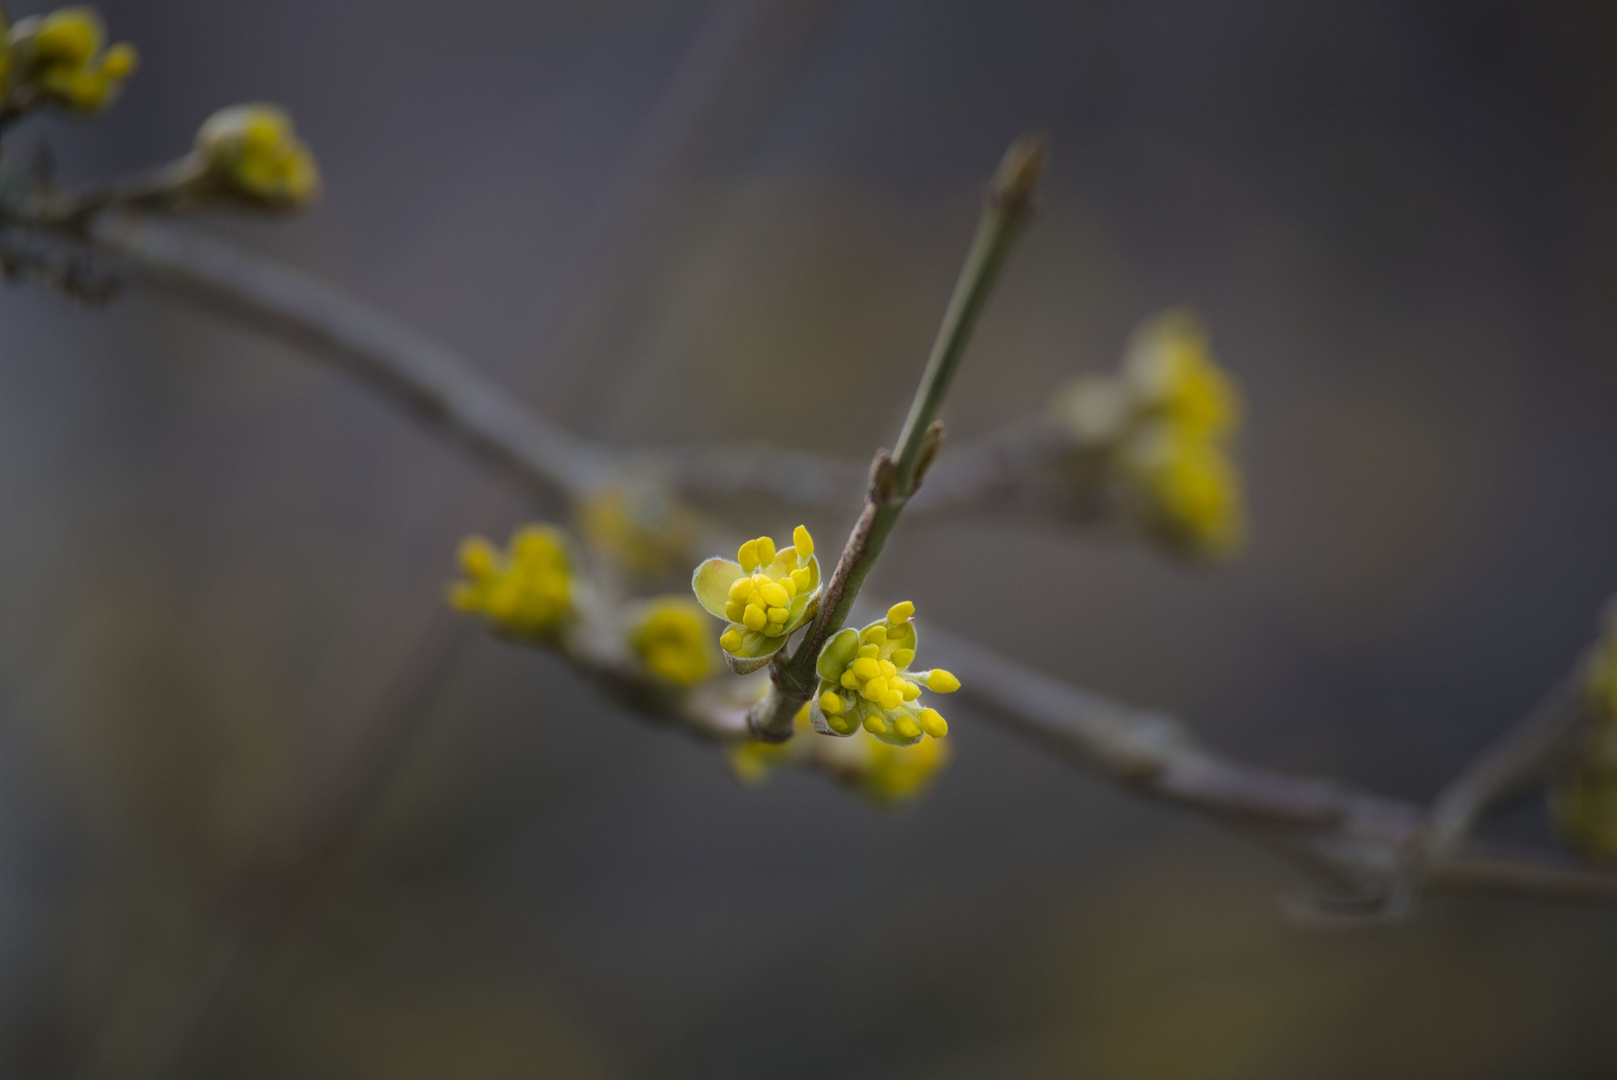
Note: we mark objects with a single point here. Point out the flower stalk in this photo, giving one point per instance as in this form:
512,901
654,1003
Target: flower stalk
895,476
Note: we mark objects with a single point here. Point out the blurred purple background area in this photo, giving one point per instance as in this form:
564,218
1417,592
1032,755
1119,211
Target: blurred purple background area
668,222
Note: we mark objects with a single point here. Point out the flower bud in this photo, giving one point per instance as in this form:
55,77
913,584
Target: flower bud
253,154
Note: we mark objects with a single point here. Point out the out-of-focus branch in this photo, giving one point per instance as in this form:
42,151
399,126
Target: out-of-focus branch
1522,758
430,380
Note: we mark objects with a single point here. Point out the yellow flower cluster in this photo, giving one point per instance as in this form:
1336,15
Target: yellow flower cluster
253,154
1584,795
525,591
764,595
670,638
893,773
1185,411
878,770
762,601
865,682
63,57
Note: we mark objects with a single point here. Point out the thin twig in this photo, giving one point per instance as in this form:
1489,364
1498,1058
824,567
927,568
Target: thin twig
893,479
1520,758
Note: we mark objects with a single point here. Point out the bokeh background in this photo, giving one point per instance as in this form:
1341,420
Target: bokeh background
680,222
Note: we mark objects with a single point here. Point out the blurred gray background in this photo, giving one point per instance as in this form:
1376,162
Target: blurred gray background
653,219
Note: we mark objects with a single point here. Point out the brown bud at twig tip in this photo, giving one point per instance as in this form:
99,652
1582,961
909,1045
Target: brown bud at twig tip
1017,181
931,443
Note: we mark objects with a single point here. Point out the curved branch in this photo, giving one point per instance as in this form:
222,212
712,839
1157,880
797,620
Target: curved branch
1358,839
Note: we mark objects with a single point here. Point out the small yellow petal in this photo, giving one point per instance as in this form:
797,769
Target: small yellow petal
802,579
740,587
733,610
933,723
900,613
789,587
906,727
778,614
766,551
902,657
875,690
887,668
774,595
873,635
831,704
753,617
730,640
803,542
942,681
747,556
849,680
865,668
874,725
870,652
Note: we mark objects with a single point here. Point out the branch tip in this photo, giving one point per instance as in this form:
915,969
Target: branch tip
1017,182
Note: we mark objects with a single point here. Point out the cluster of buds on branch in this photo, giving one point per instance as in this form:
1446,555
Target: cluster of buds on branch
1148,446
62,59
1151,443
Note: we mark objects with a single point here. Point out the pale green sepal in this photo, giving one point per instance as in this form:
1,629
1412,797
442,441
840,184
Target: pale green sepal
712,582
838,654
756,651
785,562
891,737
900,637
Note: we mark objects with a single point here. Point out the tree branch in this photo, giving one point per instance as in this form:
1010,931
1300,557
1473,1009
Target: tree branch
1356,839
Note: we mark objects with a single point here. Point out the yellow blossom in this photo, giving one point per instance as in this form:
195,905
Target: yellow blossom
894,773
670,638
1171,371
1190,490
525,591
880,771
253,154
865,683
640,527
764,595
63,56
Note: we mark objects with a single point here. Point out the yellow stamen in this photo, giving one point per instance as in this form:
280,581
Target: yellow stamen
933,723
942,681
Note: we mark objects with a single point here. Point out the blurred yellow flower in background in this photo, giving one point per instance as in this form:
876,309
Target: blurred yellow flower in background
525,591
63,56
253,153
670,637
